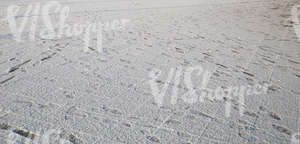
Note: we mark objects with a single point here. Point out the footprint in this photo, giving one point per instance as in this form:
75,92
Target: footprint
126,124
14,68
114,111
248,136
183,134
48,57
293,61
171,121
273,88
179,50
198,113
282,129
24,133
153,139
74,140
275,116
268,60
6,80
249,74
252,114
4,126
262,108
222,65
144,132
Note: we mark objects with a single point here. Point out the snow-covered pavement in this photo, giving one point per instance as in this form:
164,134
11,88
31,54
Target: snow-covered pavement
103,88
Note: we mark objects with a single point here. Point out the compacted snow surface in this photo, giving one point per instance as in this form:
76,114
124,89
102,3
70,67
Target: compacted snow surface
58,89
